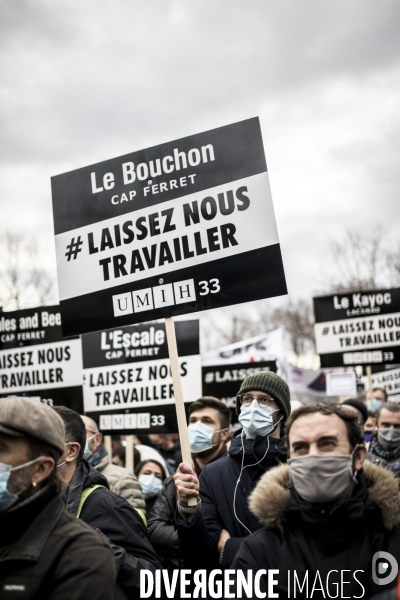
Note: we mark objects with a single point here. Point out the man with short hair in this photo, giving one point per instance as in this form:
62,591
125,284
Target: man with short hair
386,443
208,428
208,431
44,551
88,497
221,519
375,398
326,514
121,481
361,411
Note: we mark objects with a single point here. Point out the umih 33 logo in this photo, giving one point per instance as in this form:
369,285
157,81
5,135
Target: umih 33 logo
156,297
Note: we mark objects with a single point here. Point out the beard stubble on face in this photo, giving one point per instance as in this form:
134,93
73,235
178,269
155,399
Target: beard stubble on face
20,482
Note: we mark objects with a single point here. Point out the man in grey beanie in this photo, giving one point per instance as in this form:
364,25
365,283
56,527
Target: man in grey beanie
44,552
221,519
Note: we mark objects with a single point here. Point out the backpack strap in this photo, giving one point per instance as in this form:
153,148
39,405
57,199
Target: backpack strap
85,494
142,514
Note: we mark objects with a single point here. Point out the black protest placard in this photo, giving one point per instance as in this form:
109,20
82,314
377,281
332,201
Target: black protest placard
127,376
181,227
358,328
35,359
387,379
224,380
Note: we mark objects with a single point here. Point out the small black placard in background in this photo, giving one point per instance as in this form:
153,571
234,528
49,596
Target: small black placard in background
30,327
356,304
72,397
358,328
224,381
138,343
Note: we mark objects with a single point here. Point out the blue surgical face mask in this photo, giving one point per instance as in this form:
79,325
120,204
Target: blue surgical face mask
87,453
151,485
200,437
7,498
257,420
376,404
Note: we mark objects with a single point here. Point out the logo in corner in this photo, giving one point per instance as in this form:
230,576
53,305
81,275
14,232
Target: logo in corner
383,563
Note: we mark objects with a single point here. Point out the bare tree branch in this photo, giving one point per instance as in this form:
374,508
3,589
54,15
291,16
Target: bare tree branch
296,318
359,260
298,321
23,281
393,261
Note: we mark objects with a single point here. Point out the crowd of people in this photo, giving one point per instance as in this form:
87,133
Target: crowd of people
306,498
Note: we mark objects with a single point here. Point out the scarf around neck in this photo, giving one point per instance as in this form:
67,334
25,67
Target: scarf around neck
376,448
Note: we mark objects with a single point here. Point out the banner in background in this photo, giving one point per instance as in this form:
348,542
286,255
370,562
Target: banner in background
224,380
389,380
306,384
35,359
341,383
266,347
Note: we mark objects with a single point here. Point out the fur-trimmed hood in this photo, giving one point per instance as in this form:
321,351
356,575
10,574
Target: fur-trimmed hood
270,499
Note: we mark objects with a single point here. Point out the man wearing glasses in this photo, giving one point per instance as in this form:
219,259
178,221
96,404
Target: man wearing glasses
221,519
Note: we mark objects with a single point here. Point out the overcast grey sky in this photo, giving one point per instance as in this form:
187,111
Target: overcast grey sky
86,80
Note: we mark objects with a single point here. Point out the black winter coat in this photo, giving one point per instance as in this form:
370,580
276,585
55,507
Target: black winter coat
395,469
321,538
45,553
115,518
161,524
198,541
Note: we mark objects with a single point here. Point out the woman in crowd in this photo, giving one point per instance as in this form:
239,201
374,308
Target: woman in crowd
151,476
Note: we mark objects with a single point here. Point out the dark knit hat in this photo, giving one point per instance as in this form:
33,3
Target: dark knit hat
270,383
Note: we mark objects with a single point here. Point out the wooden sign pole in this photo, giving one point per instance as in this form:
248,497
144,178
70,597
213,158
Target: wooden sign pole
108,446
129,460
179,403
369,376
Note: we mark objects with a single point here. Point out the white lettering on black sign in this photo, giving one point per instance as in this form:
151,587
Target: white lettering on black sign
358,328
197,210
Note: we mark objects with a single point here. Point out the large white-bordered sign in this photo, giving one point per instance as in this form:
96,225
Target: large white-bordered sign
182,227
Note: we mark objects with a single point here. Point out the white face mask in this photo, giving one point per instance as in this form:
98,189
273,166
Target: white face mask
257,420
